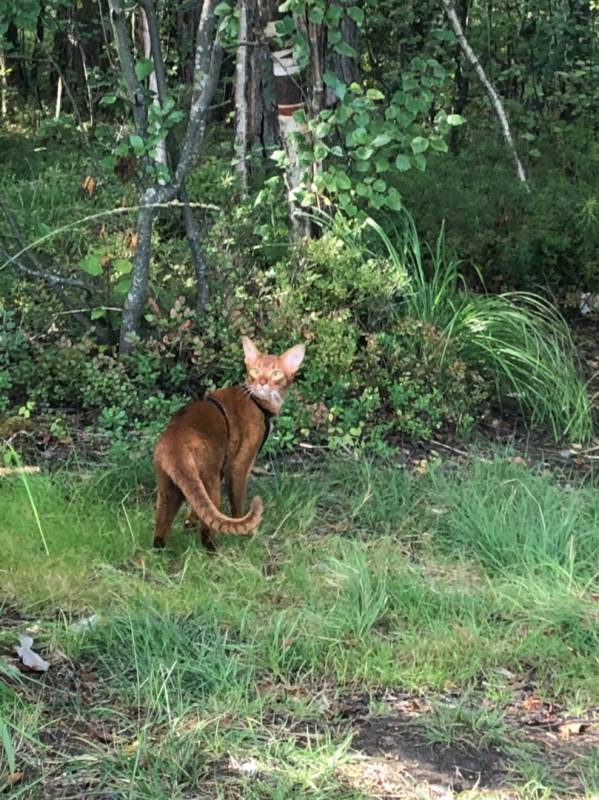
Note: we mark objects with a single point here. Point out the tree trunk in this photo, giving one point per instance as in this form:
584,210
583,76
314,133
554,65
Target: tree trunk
461,84
241,100
3,84
287,81
489,88
206,69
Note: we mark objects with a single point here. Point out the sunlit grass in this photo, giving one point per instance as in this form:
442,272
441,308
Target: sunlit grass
362,577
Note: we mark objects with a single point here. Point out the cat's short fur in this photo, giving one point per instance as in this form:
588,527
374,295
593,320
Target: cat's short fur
218,438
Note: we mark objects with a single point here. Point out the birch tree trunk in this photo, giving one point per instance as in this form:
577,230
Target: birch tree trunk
242,79
489,88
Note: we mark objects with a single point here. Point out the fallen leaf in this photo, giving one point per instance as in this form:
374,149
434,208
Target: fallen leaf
133,239
14,778
569,729
533,703
29,657
88,185
130,748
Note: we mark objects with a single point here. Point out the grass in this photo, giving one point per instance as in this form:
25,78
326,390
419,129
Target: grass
227,676
518,340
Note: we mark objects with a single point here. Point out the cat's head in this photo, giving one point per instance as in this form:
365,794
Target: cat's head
269,377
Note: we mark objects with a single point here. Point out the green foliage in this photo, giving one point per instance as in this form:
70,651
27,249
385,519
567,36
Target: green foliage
515,239
363,144
519,341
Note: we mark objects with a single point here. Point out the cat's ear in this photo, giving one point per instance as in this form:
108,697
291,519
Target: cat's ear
292,358
250,350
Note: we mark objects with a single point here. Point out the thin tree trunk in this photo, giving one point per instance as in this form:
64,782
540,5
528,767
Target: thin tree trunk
58,104
289,99
3,83
206,69
489,88
241,101
152,80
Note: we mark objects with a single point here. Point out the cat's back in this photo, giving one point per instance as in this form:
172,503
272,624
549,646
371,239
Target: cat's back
199,418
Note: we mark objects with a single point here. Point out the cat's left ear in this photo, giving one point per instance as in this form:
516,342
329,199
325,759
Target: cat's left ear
292,358
250,350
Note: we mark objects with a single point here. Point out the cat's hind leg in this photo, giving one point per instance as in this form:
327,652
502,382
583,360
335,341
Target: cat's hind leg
168,501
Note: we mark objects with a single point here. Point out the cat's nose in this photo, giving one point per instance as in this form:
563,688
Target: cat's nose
262,381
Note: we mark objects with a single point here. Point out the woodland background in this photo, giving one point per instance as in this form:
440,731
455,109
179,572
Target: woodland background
406,258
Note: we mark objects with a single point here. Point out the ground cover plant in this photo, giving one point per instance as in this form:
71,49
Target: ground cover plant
380,618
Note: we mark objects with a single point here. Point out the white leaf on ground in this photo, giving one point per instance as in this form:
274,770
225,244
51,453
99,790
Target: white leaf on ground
29,657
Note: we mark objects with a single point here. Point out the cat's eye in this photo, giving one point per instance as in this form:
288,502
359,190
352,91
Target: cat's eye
254,372
276,374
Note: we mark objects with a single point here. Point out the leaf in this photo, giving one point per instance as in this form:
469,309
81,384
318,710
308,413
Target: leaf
108,163
316,15
364,153
455,119
122,265
419,145
123,286
88,185
137,143
573,728
97,313
419,162
108,100
355,13
7,745
381,139
438,143
144,68
533,703
344,49
375,94
222,9
403,163
342,181
29,657
393,200
92,264
379,185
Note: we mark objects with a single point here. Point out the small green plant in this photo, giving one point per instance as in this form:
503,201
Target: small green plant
466,725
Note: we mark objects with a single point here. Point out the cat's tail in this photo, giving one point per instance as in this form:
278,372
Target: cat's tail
185,475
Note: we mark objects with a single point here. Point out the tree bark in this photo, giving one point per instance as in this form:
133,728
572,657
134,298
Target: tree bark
241,101
489,88
206,71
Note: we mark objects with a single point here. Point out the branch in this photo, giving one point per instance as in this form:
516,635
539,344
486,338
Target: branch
208,57
134,87
489,88
39,272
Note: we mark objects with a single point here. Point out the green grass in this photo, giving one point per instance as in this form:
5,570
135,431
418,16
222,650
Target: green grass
517,340
224,673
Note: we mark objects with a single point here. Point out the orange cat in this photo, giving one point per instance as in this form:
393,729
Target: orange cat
217,438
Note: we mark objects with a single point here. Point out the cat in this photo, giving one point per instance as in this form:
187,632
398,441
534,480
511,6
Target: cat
219,438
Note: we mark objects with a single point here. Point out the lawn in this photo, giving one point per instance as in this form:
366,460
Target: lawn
387,633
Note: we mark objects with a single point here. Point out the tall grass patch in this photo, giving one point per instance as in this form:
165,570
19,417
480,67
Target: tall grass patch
515,519
517,340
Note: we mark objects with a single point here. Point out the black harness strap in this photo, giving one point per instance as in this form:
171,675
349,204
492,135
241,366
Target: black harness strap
268,415
220,407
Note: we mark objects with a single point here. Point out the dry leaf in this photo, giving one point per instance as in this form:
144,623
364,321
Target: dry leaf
29,657
14,778
88,185
133,239
130,748
568,729
533,703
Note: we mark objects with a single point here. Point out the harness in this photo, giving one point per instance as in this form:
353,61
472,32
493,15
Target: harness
267,415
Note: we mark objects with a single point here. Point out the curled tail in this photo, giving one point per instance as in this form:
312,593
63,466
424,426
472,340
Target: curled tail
185,476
